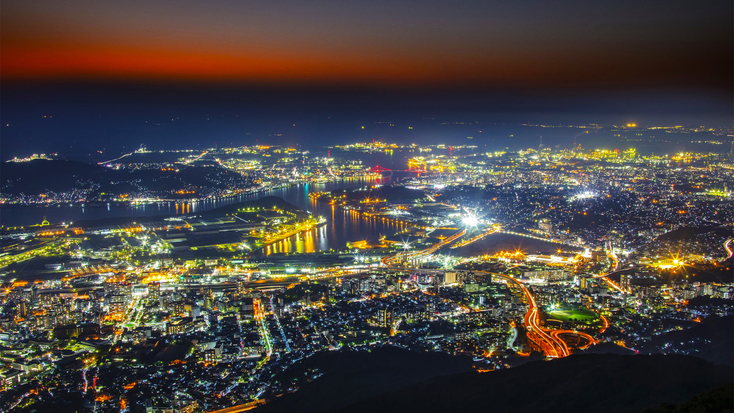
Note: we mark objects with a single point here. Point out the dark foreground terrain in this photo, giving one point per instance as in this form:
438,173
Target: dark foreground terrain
584,383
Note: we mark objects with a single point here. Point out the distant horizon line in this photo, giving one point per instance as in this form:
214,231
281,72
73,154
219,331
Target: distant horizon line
375,85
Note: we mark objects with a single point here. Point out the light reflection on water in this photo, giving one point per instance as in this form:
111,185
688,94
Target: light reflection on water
341,225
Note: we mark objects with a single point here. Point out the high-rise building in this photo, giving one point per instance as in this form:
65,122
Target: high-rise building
121,288
23,309
116,306
450,277
154,291
385,318
624,282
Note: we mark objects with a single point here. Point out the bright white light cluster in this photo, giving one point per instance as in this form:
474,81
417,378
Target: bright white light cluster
583,195
470,221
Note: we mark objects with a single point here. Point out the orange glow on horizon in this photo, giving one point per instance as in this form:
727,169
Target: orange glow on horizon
73,58
481,44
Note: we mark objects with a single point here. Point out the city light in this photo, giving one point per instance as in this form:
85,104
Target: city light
281,255
470,221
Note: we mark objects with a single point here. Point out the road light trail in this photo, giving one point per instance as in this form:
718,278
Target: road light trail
605,323
476,238
557,334
116,159
241,407
20,399
728,249
264,331
280,327
551,346
195,159
605,276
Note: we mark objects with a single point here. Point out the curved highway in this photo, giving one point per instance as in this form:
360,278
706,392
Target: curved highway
551,346
549,341
606,275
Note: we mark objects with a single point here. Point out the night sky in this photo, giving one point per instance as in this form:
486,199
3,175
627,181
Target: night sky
128,60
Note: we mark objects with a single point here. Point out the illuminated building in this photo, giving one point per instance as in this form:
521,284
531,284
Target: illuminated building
154,291
450,277
624,282
385,318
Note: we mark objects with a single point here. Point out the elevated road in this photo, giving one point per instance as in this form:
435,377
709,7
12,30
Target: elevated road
605,276
241,407
392,259
551,345
551,342
475,238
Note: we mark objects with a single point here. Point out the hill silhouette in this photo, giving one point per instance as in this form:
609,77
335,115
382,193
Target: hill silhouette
584,383
719,400
581,383
349,376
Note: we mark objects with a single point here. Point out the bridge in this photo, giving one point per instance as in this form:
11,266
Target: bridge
476,237
392,259
379,169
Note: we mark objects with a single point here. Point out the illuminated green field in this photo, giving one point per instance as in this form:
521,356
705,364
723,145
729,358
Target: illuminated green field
573,314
